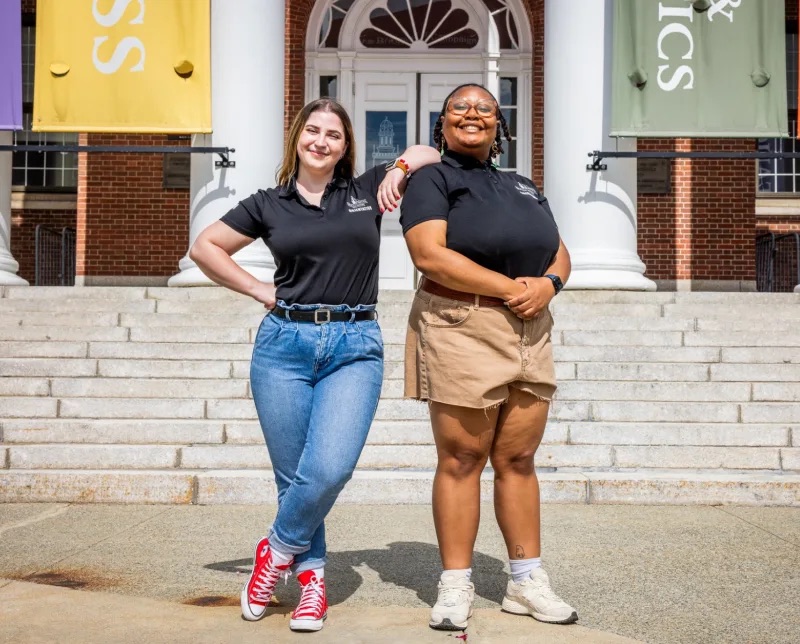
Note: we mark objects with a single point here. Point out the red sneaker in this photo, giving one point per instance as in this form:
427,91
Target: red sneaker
259,588
313,607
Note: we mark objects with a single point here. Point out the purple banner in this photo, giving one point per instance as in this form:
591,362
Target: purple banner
10,64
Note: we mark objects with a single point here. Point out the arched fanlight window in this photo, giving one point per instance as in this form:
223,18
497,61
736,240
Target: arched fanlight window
332,22
401,24
406,24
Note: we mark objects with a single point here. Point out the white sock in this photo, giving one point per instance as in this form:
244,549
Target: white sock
457,572
319,572
521,568
280,558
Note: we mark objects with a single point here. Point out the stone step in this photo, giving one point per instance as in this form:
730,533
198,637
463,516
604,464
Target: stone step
393,370
682,434
41,334
659,391
11,319
60,293
402,432
635,410
641,372
676,487
90,456
754,311
177,320
389,310
86,305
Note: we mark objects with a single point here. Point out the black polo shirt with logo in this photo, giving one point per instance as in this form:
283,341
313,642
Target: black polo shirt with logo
326,254
497,219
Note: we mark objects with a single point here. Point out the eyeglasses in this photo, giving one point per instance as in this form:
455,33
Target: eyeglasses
459,107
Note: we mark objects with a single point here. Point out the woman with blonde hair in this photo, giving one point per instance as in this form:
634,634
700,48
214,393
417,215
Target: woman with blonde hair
317,365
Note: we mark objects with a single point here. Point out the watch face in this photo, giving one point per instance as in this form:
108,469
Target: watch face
557,283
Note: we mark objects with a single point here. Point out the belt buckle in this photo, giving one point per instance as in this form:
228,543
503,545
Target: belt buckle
322,316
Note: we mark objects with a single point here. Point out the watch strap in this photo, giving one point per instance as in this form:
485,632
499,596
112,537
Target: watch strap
557,283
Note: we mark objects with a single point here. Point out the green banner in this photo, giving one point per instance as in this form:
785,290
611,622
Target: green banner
699,68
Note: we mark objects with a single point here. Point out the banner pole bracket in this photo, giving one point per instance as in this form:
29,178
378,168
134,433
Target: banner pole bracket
224,153
224,160
596,165
598,156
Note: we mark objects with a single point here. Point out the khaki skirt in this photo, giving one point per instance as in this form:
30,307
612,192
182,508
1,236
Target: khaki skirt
459,353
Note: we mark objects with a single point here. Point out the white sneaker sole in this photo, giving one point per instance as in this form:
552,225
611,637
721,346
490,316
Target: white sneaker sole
247,613
307,625
447,625
514,607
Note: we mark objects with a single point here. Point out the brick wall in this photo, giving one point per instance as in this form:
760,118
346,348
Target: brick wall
297,15
535,11
128,224
778,224
703,229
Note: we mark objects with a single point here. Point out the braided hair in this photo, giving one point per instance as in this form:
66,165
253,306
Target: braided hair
502,126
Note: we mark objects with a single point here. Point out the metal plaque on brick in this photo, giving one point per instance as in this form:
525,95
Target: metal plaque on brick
654,176
177,168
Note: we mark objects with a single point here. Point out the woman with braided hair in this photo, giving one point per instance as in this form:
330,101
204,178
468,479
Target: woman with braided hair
478,348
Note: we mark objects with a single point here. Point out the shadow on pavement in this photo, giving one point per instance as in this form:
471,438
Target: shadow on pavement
410,564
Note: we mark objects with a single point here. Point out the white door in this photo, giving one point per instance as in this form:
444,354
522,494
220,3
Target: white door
390,115
385,125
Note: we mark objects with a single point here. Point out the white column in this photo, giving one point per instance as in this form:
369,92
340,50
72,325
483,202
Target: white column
596,211
247,94
347,81
8,266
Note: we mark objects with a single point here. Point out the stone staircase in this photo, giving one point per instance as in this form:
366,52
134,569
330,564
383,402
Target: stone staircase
141,395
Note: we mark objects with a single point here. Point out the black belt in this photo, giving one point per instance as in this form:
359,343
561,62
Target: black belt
323,316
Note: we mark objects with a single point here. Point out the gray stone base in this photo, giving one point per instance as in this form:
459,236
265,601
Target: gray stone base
120,280
729,286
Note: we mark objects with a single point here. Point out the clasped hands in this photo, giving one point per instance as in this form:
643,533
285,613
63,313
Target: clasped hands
534,299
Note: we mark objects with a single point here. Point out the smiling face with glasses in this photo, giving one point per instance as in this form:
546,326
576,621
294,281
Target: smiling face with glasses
470,122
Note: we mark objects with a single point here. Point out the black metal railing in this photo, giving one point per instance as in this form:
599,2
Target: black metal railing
777,262
55,256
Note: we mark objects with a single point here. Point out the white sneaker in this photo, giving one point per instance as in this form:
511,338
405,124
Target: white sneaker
534,597
454,605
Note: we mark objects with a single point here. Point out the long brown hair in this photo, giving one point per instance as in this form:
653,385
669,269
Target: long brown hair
347,164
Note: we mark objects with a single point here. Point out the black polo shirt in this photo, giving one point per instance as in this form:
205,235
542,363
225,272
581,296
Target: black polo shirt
497,219
326,254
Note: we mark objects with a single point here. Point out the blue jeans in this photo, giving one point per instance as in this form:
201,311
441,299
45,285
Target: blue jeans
316,388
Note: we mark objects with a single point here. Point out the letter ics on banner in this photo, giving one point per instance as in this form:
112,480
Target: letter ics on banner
123,66
699,68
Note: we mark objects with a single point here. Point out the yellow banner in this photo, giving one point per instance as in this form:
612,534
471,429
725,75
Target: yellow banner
123,66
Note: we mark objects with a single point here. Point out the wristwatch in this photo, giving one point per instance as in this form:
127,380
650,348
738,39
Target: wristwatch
557,283
399,163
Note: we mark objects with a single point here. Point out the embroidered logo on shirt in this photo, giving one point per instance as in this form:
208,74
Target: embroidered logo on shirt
529,191
358,205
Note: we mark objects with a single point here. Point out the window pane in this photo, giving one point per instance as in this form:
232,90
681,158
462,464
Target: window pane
511,120
508,160
327,86
508,91
784,183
